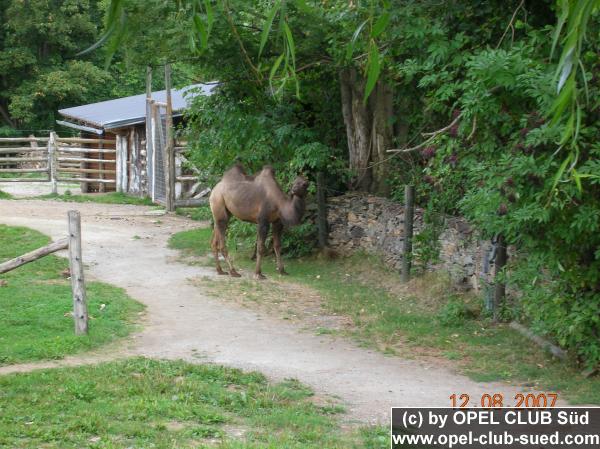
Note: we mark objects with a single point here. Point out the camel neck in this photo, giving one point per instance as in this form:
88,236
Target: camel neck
292,211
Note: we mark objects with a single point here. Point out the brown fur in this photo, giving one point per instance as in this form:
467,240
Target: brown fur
255,199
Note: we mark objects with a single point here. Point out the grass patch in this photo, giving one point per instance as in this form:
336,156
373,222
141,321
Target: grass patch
5,196
195,242
23,175
425,316
36,302
200,213
105,198
147,403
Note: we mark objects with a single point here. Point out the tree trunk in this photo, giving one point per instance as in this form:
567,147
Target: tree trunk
382,107
358,127
368,129
6,116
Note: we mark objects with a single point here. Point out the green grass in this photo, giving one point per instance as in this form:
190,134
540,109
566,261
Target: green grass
195,242
427,317
106,198
141,403
5,196
36,302
201,213
24,175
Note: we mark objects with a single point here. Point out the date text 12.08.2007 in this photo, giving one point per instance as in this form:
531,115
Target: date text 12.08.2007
527,400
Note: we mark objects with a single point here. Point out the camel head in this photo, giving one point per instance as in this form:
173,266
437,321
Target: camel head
299,187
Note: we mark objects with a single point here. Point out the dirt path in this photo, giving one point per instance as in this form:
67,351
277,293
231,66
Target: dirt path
125,246
29,189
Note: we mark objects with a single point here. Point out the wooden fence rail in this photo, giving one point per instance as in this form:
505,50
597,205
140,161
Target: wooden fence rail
85,150
33,255
73,244
84,159
73,179
23,139
82,140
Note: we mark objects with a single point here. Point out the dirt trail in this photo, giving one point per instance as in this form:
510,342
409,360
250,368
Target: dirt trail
125,246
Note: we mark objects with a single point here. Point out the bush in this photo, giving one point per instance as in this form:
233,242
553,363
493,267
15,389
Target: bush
300,240
455,312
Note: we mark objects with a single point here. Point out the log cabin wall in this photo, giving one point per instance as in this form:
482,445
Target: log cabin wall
131,161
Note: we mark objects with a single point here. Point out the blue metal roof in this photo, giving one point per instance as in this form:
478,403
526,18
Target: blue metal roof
128,111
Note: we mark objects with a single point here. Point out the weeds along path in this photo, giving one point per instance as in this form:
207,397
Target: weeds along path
127,246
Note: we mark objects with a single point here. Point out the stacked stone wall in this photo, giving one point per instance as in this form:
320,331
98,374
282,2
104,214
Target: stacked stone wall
375,225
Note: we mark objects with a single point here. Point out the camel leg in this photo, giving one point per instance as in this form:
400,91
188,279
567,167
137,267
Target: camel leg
263,230
277,231
214,244
222,224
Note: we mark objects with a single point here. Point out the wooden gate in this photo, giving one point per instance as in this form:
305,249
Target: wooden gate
92,162
24,159
55,159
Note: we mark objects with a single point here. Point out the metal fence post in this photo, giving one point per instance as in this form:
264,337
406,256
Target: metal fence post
409,212
499,287
169,153
321,210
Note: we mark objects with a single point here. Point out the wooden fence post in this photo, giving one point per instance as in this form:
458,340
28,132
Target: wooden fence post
499,287
321,210
169,153
80,313
409,212
53,161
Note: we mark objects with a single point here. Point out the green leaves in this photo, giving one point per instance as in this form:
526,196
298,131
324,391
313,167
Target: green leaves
574,16
284,66
380,25
201,30
202,26
115,28
352,43
377,22
268,25
373,70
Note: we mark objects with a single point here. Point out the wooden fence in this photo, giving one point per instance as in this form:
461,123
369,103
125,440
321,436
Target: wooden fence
73,243
57,159
25,159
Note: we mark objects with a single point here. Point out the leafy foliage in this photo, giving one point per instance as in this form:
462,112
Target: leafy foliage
498,166
228,128
42,68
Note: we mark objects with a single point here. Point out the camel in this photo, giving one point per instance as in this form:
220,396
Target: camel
254,199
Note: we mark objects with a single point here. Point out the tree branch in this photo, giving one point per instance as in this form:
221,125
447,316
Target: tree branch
430,137
240,42
510,25
445,128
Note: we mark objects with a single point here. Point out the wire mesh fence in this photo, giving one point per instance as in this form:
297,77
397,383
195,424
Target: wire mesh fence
160,146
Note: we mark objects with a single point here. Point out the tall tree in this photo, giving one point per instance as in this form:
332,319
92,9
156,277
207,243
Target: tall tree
39,40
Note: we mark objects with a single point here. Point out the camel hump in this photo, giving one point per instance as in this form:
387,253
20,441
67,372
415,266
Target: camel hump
268,170
237,168
235,173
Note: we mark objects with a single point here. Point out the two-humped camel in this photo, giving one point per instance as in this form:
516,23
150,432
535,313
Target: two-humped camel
255,199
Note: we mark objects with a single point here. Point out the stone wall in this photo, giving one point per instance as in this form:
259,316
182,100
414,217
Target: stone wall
364,222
